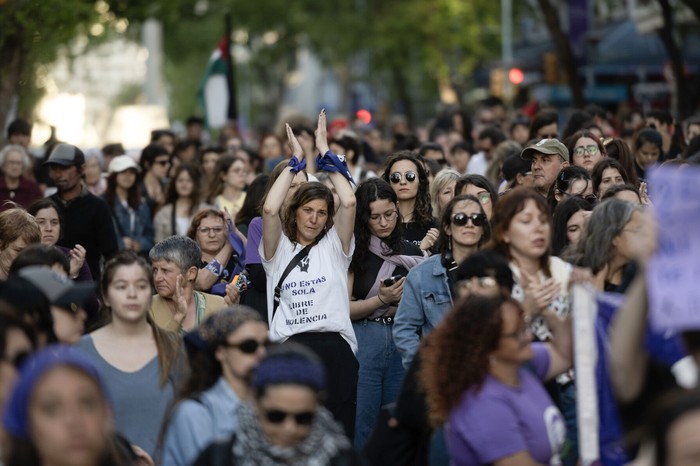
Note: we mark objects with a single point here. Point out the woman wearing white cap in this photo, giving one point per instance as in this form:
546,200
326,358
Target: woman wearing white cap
130,214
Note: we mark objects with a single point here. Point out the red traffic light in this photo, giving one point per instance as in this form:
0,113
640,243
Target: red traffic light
364,115
516,75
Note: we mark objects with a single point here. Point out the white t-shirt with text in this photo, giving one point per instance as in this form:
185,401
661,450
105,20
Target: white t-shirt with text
314,295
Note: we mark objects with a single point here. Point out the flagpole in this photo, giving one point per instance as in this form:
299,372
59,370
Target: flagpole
232,113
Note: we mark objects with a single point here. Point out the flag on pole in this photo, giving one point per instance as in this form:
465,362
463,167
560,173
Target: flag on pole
216,92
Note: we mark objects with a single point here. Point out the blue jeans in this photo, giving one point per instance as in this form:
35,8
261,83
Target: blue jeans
380,377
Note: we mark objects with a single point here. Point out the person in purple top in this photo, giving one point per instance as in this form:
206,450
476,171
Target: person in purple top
483,379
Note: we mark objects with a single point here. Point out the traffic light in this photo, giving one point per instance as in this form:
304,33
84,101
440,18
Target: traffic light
497,82
551,72
516,76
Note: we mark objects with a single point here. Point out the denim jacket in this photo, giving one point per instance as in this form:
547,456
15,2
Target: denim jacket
426,299
143,225
197,423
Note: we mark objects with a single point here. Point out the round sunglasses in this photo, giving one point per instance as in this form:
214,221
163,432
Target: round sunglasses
397,176
461,219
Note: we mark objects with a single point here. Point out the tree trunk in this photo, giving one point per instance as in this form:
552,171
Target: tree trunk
566,55
675,57
12,54
401,88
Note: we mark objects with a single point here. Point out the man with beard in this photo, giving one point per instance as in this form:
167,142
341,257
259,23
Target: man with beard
86,218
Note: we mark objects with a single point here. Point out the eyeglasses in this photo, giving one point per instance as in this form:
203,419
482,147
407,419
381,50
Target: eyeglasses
461,219
483,282
276,416
207,230
388,216
580,150
484,198
396,177
249,346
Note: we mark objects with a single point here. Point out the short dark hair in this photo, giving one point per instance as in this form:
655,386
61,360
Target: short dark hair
40,254
19,127
426,146
486,263
464,146
495,135
113,149
149,154
543,118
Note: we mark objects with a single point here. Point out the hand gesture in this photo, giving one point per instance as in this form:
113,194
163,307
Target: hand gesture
322,133
180,301
644,195
392,293
538,296
77,259
294,143
429,240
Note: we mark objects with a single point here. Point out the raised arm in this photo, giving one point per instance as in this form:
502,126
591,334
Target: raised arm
344,219
628,356
272,225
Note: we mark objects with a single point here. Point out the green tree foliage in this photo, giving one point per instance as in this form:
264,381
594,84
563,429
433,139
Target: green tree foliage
411,45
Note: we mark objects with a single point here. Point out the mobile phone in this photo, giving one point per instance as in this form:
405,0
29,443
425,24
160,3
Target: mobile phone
392,280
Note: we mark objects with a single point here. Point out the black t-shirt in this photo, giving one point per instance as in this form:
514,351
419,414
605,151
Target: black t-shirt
414,233
364,282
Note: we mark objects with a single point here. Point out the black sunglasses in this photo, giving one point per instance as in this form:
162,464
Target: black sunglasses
246,346
397,176
275,416
591,198
461,219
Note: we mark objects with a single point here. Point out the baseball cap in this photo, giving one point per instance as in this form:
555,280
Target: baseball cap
60,290
66,155
121,163
548,147
513,165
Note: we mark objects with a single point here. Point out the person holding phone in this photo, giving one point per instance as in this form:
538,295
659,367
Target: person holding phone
376,278
429,288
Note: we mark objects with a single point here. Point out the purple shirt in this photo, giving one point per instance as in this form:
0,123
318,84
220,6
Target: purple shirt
252,256
500,420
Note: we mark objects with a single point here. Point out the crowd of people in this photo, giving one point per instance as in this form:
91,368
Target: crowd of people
202,304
